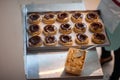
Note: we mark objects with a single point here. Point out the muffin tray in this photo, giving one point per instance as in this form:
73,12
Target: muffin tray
57,24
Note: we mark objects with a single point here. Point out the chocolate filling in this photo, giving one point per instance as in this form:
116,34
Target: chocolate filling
62,15
99,36
34,16
96,25
77,15
50,39
81,37
65,26
80,25
35,40
49,28
65,38
91,16
49,16
34,28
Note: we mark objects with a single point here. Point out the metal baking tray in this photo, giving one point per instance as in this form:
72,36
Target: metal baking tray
40,60
49,65
35,8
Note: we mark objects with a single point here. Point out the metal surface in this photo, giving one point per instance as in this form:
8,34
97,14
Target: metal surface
45,8
54,7
50,66
59,7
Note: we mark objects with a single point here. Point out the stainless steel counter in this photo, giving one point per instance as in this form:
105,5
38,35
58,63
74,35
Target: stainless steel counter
50,66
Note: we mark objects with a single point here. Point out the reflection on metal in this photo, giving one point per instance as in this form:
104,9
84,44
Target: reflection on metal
43,65
53,1
51,71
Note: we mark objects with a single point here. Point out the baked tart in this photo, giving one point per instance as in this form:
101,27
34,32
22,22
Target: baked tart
79,27
50,30
63,17
75,61
91,17
96,27
76,17
34,30
35,41
81,39
65,28
65,40
98,38
34,18
48,18
50,41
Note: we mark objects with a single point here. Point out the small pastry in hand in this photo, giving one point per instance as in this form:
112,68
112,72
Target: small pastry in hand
65,40
63,17
34,18
96,27
65,28
79,27
35,41
98,38
50,30
91,17
50,41
76,17
49,18
34,29
81,39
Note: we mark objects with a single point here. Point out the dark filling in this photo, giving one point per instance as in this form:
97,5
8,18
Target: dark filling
91,16
81,37
65,26
96,25
49,16
77,15
35,40
34,28
65,38
49,28
50,39
34,17
99,36
62,15
80,25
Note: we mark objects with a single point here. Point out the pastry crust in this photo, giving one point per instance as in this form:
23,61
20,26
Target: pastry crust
65,40
50,30
76,17
35,41
98,38
91,17
34,29
81,39
34,18
62,17
65,28
74,64
50,41
49,18
79,28
96,27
